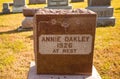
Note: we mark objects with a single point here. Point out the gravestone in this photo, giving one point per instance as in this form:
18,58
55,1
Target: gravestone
37,1
64,41
28,20
5,9
58,4
99,2
103,10
77,0
19,5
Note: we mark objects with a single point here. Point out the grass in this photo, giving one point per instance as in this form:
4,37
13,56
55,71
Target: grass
16,48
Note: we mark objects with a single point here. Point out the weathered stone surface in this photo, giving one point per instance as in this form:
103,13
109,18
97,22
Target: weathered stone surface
18,9
28,22
60,7
19,5
5,6
99,2
106,21
58,4
77,0
29,12
64,41
37,1
5,9
102,11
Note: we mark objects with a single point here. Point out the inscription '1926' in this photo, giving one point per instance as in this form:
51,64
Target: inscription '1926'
65,44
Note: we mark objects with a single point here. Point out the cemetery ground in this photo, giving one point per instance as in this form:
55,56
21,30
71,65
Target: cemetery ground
16,48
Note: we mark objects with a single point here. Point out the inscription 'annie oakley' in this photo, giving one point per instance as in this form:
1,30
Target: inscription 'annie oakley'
65,44
66,39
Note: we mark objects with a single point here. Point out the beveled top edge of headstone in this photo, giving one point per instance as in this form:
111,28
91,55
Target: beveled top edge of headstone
29,12
64,11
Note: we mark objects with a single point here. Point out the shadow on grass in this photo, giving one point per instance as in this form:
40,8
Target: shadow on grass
35,3
104,26
76,1
15,31
2,14
117,9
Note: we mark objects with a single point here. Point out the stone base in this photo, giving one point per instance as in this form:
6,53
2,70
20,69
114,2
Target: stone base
19,29
6,11
106,21
59,7
28,22
32,75
102,11
18,9
77,0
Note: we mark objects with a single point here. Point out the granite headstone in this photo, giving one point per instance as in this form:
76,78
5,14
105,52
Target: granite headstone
28,20
58,4
19,5
64,41
37,1
104,12
99,2
6,8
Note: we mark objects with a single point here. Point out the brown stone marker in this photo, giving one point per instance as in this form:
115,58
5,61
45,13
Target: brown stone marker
64,41
30,12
